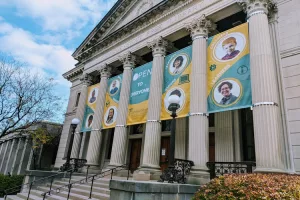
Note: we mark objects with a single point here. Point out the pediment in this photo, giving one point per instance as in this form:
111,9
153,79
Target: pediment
137,8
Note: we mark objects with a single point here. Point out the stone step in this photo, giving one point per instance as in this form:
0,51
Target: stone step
97,187
81,189
13,197
73,194
99,184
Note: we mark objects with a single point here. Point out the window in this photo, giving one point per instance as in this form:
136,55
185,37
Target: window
137,129
166,125
77,99
211,120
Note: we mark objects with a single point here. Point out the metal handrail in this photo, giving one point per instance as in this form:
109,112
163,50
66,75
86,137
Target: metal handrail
86,180
30,184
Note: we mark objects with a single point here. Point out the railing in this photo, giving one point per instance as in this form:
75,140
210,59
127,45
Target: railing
89,179
74,167
220,168
178,172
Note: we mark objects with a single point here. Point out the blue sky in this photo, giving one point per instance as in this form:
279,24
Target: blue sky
44,33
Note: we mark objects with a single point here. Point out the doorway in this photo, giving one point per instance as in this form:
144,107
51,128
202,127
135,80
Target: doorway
164,152
211,147
135,154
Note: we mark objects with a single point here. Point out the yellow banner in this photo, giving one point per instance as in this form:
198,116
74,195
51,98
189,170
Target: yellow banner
112,102
90,107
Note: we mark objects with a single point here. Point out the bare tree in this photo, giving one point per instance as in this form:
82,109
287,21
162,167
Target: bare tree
25,97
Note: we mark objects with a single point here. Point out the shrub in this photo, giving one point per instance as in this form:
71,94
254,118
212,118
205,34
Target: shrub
251,186
7,182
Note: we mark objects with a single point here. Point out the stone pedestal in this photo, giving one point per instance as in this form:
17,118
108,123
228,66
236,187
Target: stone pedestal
120,136
127,190
198,120
151,157
86,81
268,133
93,149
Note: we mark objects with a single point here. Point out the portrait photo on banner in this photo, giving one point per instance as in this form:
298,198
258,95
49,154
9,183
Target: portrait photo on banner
229,47
178,64
114,87
110,115
93,96
227,92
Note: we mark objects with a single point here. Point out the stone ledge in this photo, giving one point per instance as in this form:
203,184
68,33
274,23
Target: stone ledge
128,190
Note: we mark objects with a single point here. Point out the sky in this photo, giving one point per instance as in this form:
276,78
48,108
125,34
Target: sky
44,33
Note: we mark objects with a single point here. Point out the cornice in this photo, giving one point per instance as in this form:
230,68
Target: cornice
74,73
110,18
142,22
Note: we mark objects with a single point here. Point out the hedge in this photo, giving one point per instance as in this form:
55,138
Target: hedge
7,182
251,186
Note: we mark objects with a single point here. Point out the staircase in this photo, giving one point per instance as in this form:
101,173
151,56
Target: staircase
78,192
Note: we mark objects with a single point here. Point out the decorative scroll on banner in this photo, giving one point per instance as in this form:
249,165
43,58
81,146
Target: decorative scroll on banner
139,94
177,81
90,108
229,84
112,101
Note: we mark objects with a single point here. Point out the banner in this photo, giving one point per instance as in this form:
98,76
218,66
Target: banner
139,94
228,74
112,101
177,81
90,108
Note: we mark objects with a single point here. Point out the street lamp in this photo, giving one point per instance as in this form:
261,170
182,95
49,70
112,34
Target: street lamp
74,125
174,105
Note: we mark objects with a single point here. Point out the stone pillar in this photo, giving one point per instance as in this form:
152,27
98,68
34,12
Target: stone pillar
120,136
5,155
265,96
2,151
152,143
86,81
17,157
25,155
198,120
180,138
94,144
11,156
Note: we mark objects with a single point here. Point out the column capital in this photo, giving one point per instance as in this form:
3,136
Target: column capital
200,27
159,46
254,7
86,79
105,71
129,60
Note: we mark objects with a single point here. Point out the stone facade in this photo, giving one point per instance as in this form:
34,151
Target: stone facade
156,25
16,150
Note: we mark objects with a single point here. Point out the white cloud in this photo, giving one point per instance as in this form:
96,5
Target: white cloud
41,57
62,14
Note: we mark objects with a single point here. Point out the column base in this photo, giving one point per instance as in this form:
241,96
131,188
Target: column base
147,173
269,170
198,176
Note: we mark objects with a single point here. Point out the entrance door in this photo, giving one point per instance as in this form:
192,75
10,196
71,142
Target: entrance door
211,147
135,155
164,152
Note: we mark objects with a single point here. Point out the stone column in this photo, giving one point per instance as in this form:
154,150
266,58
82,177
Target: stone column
86,81
265,96
11,156
17,157
120,136
25,155
1,151
153,126
180,138
198,120
5,155
93,151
